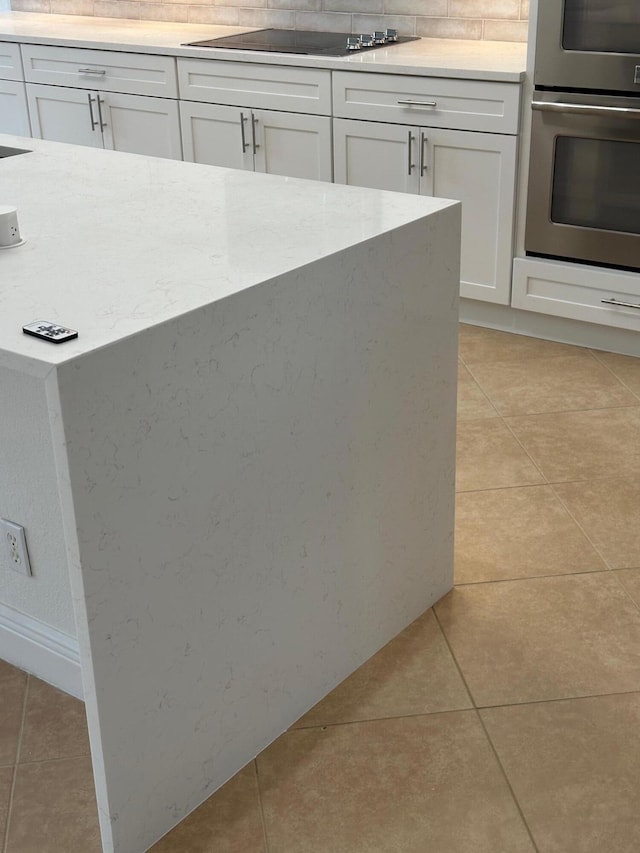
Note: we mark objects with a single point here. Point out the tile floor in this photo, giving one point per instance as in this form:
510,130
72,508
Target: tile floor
505,719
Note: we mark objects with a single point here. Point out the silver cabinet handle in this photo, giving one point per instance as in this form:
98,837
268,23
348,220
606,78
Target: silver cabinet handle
98,72
254,122
245,144
423,159
620,303
410,103
94,123
103,124
585,109
410,139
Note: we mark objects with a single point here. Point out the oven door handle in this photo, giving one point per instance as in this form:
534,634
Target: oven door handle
586,109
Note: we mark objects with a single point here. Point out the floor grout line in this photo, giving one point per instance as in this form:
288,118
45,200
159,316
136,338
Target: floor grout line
25,698
489,741
263,819
605,570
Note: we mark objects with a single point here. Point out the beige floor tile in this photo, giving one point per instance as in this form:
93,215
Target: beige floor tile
472,401
13,683
544,638
54,809
489,457
534,385
413,674
625,367
575,769
407,785
582,445
228,822
609,510
6,777
478,345
630,580
55,724
518,533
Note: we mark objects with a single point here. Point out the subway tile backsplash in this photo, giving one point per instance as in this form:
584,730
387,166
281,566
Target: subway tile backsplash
503,20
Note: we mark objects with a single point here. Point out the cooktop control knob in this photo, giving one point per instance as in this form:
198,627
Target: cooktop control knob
353,43
379,37
391,35
366,40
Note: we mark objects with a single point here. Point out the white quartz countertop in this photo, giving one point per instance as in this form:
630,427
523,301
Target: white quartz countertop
116,243
466,59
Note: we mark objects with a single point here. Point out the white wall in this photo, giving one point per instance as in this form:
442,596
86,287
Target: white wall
29,496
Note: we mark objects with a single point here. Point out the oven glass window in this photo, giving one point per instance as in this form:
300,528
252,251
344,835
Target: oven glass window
596,184
609,26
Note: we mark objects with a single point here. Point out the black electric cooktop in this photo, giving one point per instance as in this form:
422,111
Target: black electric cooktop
301,41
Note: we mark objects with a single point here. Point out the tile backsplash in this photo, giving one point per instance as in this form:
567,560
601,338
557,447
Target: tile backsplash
502,20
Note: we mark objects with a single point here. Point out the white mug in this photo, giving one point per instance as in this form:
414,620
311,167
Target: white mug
9,228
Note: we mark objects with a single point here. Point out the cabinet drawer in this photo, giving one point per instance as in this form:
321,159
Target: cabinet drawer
10,62
102,70
272,87
439,102
577,292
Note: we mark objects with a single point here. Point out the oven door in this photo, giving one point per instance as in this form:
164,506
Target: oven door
588,44
584,179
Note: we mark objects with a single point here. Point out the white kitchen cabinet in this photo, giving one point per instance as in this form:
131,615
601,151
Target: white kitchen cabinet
475,168
271,141
132,123
14,115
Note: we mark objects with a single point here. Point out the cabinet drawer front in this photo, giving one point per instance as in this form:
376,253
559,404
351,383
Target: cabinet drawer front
273,87
10,62
576,292
438,102
102,70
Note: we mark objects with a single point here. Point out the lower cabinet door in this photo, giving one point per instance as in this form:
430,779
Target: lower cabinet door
292,144
64,115
140,125
216,135
14,114
478,169
377,155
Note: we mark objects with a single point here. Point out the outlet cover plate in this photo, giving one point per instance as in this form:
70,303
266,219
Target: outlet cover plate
14,543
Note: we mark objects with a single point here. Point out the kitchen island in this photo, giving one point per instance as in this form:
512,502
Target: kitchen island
252,442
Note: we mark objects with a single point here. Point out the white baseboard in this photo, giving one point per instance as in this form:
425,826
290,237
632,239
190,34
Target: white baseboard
41,650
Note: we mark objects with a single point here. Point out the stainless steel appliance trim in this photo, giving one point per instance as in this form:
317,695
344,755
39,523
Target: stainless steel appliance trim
543,236
555,66
94,123
620,303
585,109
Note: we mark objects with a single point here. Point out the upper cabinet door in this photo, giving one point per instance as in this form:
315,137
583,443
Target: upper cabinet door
297,146
372,154
216,135
478,169
64,115
140,125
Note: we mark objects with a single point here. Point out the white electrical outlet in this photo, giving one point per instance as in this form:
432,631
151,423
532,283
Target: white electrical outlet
15,546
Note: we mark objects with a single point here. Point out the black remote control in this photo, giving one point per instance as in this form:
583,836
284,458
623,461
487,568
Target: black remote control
48,331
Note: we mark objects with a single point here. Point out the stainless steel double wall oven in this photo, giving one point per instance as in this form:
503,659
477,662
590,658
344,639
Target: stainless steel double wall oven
584,178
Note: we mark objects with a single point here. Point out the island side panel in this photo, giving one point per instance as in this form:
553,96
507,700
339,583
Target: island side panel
263,492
